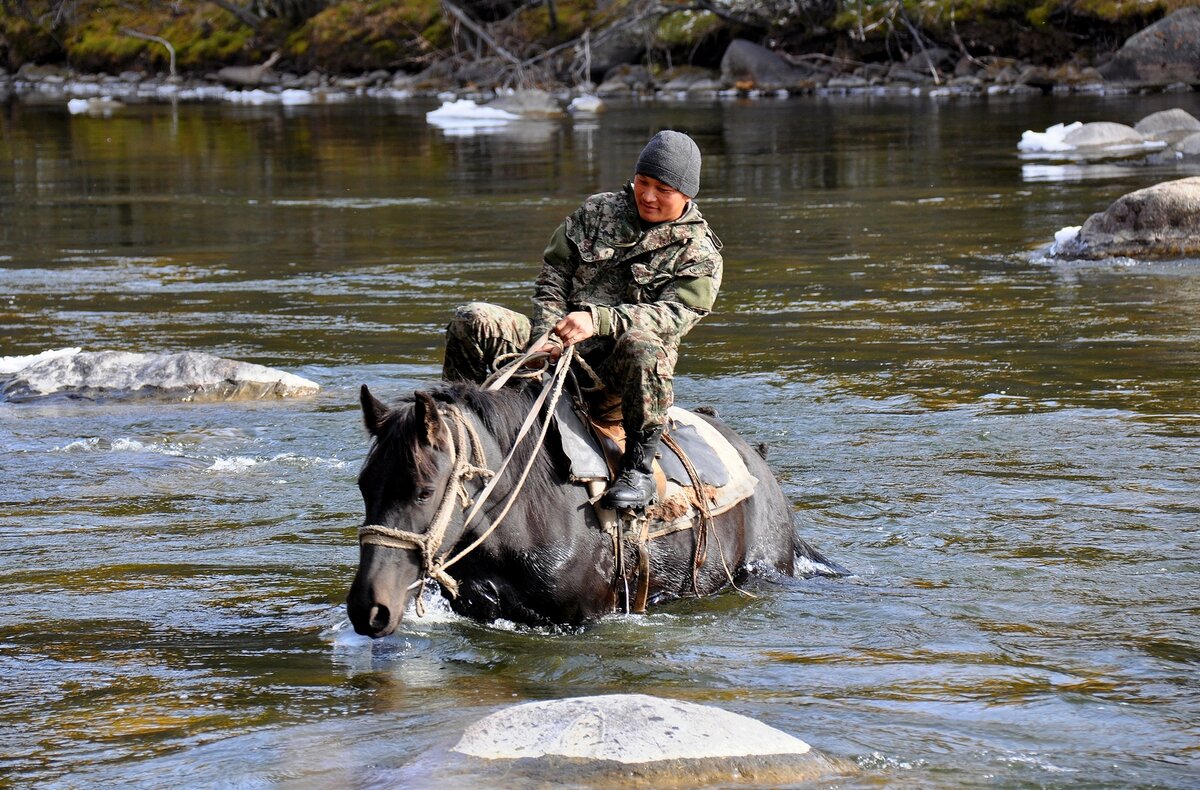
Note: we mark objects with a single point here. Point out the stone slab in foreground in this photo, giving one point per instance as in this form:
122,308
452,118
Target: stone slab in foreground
189,375
667,740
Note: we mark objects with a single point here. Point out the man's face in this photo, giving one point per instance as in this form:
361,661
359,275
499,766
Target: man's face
657,202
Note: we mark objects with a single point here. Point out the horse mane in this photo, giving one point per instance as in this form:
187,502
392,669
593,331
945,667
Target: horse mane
501,413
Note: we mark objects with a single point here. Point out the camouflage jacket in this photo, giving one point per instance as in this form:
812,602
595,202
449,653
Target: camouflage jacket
662,280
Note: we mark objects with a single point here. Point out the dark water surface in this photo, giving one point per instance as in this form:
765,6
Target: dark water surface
1006,451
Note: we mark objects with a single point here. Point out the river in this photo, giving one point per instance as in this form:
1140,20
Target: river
1005,451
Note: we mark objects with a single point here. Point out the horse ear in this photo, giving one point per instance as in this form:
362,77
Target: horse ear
373,411
430,417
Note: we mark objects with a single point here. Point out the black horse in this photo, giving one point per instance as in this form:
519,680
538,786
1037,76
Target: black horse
549,562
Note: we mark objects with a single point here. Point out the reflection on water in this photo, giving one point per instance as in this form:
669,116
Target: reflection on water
1003,449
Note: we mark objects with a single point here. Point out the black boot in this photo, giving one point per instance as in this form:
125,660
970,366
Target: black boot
635,486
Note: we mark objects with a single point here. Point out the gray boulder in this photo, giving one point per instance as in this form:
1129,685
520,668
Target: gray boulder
1162,221
748,64
938,58
609,736
1164,53
620,45
190,376
681,79
1167,121
625,79
1170,126
1103,134
1189,146
529,103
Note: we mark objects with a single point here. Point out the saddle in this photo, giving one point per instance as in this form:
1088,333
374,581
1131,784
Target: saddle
697,470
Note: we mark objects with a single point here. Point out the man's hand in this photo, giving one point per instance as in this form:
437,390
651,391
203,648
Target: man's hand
553,349
575,327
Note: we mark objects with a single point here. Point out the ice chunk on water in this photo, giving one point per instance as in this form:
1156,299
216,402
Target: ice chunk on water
1066,235
1049,140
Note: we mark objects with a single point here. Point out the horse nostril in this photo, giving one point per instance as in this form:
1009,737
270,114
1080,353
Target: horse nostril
380,617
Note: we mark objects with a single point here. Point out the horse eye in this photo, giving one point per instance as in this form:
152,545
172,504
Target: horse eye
425,494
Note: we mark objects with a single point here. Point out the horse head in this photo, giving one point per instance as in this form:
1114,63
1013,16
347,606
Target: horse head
406,483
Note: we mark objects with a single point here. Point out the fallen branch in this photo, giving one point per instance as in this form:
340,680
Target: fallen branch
722,13
482,34
243,14
797,59
963,47
157,40
916,34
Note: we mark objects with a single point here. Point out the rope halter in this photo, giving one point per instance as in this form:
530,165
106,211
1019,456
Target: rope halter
467,462
464,437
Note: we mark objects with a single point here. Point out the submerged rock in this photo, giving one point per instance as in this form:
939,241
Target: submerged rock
666,741
1162,221
189,375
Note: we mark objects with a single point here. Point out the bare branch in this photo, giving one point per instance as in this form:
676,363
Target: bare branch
155,39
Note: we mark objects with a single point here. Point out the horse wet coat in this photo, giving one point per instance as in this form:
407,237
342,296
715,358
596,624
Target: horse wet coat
549,562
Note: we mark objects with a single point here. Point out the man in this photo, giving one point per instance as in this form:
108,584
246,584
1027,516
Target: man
624,278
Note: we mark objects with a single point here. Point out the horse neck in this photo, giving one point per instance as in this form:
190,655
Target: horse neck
539,484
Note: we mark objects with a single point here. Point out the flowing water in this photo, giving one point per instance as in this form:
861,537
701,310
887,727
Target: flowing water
1005,451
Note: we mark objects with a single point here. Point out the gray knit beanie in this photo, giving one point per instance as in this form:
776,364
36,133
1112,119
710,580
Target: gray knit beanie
674,159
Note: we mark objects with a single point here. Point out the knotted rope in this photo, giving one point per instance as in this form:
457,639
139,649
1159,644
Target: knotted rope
429,543
464,466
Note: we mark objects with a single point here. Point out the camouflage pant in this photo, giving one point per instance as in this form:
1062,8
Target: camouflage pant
639,366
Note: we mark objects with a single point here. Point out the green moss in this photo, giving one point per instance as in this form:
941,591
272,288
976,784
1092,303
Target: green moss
533,22
686,28
353,35
203,36
936,15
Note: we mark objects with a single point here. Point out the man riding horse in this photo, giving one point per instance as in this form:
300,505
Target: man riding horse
623,278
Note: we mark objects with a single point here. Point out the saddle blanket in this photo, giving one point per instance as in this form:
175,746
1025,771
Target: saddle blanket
724,479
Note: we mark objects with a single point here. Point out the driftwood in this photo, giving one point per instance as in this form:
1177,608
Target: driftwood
247,76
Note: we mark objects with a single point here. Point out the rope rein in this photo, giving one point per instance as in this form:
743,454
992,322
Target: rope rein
467,461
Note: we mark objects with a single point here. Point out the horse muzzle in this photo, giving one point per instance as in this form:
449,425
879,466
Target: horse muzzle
379,593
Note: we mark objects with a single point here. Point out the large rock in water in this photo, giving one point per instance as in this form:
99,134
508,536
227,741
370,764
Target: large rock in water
1103,134
189,375
1162,221
666,741
1164,53
1170,125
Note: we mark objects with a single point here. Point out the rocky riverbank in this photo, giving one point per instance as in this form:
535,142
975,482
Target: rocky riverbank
632,54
